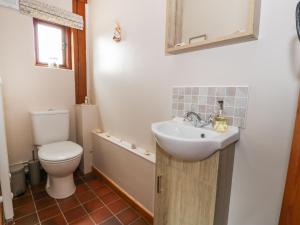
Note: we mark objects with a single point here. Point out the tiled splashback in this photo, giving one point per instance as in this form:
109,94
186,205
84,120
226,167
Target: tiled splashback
203,100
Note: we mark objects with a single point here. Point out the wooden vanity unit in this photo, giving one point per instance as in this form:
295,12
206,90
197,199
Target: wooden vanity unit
193,193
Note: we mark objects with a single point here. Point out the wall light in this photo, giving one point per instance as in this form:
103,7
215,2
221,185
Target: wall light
118,33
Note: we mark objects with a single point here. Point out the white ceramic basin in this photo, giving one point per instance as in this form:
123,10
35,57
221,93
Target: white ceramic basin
184,141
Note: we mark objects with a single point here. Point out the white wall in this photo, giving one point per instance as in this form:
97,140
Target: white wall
133,79
27,86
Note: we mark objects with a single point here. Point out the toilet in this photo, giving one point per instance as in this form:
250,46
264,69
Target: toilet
58,156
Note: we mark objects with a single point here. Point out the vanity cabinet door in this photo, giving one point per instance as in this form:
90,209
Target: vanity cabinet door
162,192
185,191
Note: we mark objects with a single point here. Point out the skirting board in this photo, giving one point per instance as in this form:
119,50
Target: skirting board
133,202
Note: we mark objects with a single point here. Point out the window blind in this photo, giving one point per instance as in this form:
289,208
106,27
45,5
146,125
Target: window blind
53,14
14,4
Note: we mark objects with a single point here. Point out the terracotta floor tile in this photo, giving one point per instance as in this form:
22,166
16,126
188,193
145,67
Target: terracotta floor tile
78,181
86,196
21,201
48,212
24,210
81,188
57,220
92,205
110,197
40,195
117,206
94,184
44,202
83,221
75,214
27,192
87,187
68,203
112,221
90,176
140,222
127,216
38,188
103,191
101,215
28,220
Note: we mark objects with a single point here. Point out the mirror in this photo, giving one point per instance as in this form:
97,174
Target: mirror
198,24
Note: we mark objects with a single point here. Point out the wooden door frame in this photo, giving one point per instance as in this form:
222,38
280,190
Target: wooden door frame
289,215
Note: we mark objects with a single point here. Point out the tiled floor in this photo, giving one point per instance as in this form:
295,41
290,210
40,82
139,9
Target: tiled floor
93,203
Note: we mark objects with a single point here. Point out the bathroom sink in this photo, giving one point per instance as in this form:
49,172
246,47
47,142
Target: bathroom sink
184,141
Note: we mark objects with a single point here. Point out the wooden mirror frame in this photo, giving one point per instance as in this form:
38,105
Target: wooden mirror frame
174,20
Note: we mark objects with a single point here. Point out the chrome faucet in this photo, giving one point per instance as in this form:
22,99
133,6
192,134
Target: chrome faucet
198,121
194,117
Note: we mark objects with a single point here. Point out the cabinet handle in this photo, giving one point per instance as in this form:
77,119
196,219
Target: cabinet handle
158,184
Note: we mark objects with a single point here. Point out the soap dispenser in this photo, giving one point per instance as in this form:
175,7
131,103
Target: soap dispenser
221,124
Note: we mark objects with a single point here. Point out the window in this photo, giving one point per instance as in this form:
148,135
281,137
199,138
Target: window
52,44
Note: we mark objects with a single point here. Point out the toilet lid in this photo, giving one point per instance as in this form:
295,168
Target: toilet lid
59,151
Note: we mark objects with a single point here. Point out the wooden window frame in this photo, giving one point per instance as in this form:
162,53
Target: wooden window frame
67,53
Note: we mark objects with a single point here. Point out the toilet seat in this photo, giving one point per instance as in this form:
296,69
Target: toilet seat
59,152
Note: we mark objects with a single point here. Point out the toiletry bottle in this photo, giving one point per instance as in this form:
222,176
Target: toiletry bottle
220,121
86,100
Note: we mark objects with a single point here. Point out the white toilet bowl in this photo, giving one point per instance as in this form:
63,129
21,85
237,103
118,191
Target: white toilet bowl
60,160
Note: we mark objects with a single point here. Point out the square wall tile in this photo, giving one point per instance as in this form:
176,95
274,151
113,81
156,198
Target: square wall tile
195,99
188,91
204,100
175,91
212,91
211,100
195,91
229,101
221,91
180,91
202,108
242,92
241,102
230,91
180,106
203,91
